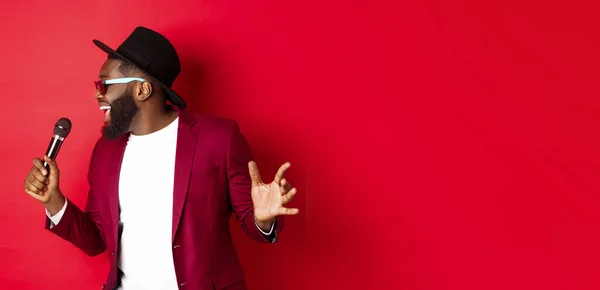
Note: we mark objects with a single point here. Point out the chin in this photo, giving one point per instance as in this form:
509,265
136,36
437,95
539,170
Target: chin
109,132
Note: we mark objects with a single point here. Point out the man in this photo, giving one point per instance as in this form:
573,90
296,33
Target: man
163,181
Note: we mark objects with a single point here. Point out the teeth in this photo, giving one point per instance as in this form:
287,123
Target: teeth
105,108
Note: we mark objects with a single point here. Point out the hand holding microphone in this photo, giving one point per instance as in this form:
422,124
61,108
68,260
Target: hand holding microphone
42,181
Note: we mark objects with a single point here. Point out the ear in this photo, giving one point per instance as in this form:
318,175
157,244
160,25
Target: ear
144,91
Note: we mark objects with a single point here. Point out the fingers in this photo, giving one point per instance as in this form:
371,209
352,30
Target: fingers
285,186
37,163
289,196
287,191
35,189
254,175
36,182
34,186
36,174
33,182
288,211
39,179
281,172
34,195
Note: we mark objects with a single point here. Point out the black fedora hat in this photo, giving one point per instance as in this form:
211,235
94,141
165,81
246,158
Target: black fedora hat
153,54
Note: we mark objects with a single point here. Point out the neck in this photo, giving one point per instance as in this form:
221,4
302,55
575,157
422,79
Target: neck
150,120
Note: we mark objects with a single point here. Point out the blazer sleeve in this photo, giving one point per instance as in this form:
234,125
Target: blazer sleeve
82,228
240,185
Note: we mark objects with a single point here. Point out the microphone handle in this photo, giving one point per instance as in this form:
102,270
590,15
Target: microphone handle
52,150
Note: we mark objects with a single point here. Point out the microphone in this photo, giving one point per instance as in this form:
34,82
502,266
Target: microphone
61,131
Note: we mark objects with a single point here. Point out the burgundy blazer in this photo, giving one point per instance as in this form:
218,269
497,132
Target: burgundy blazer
211,182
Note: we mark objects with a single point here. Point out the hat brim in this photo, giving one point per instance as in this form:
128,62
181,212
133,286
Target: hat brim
172,96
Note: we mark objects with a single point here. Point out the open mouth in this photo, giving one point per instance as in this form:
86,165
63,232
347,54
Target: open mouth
106,110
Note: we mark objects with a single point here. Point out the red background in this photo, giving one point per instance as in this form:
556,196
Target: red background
435,144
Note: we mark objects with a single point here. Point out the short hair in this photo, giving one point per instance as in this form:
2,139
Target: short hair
125,67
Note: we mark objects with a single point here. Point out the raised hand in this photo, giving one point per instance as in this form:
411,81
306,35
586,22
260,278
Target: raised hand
43,185
268,199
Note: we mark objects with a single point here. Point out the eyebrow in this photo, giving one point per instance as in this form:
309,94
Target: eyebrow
103,76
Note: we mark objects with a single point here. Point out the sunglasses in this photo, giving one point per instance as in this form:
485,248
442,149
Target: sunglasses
101,85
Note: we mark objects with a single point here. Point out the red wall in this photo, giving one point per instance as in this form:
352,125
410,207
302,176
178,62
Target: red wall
435,144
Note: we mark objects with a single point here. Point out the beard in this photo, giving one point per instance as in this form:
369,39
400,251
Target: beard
122,111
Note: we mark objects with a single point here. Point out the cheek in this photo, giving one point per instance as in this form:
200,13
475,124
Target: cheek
111,97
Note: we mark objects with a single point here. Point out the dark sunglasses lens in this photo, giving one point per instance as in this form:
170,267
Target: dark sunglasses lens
100,87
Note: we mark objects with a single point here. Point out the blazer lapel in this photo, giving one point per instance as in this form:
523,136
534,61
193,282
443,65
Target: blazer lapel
114,172
187,135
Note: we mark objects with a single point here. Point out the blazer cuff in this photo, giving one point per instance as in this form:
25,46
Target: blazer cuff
55,219
270,231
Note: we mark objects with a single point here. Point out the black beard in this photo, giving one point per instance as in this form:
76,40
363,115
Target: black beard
122,111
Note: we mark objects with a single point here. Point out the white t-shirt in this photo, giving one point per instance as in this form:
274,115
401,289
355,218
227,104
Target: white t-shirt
146,205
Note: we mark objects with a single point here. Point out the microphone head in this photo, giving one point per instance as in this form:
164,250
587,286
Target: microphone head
62,127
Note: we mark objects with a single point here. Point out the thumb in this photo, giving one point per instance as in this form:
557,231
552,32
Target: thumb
53,168
254,175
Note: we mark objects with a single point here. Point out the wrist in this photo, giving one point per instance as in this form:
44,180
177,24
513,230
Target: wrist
55,203
264,225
